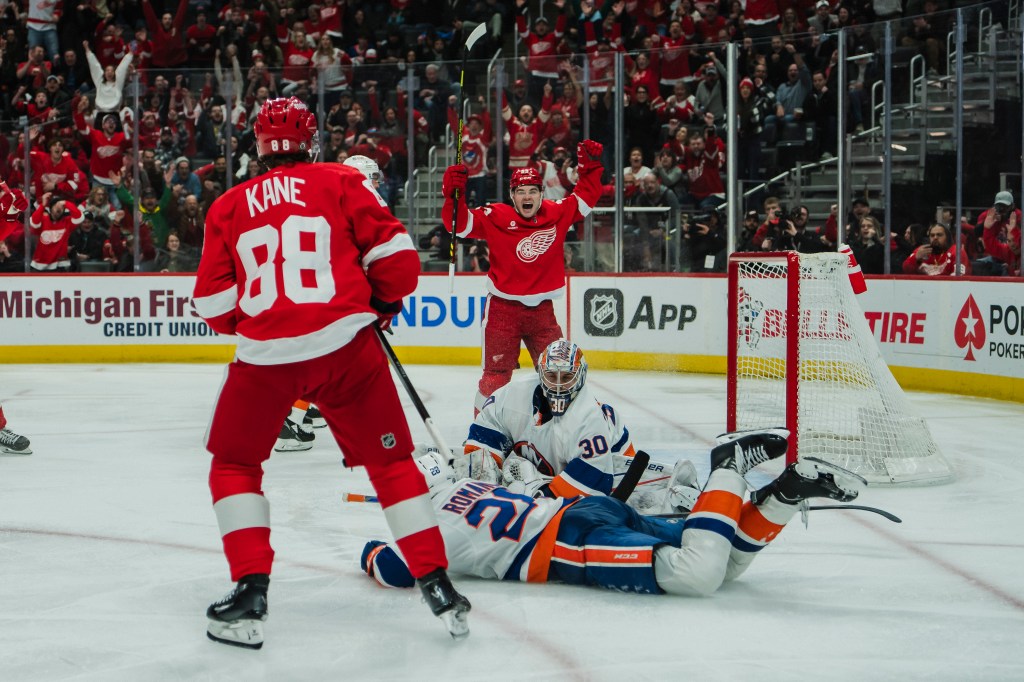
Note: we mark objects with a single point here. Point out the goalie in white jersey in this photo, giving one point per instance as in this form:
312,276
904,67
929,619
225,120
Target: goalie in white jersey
557,425
503,533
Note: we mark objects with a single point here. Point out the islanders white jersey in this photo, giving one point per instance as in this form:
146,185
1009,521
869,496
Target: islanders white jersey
493,533
583,449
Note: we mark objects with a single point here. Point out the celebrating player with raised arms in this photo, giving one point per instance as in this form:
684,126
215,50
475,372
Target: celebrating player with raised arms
500,533
527,259
299,264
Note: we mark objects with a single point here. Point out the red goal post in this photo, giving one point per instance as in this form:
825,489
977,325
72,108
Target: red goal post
801,355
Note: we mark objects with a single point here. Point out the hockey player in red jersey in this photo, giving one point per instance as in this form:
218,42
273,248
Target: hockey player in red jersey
299,264
527,266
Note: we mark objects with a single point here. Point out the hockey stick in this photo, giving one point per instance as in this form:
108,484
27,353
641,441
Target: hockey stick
854,507
632,476
474,36
420,407
358,497
873,510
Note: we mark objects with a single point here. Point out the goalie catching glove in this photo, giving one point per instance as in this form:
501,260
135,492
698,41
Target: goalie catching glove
521,477
480,464
454,179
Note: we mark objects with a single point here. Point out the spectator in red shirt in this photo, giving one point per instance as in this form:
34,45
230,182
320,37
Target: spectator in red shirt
32,73
1001,232
168,38
52,224
200,39
541,47
937,257
702,172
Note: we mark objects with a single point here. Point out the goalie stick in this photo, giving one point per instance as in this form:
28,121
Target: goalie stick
420,407
474,36
632,476
622,491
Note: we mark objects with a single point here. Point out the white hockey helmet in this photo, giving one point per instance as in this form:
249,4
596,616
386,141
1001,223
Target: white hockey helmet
436,468
563,372
365,165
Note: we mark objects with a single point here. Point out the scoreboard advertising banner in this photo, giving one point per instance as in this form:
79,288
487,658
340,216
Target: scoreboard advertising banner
969,334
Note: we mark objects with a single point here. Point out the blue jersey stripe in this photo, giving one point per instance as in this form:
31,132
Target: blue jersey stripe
622,441
744,546
495,440
578,470
713,525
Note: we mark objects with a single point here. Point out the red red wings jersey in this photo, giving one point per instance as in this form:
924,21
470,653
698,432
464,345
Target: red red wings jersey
64,175
675,60
759,12
527,256
296,63
291,259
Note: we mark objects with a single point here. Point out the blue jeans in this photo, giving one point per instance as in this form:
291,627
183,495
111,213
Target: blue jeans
48,39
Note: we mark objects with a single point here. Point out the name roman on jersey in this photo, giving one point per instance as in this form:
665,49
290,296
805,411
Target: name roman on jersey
273,191
460,500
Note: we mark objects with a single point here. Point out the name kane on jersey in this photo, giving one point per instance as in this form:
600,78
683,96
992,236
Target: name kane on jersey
273,191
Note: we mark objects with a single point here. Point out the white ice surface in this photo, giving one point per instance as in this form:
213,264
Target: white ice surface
109,555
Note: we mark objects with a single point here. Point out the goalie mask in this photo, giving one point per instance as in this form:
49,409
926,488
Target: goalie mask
563,371
436,469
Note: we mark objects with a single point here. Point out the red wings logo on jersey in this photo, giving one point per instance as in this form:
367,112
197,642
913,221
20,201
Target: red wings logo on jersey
532,247
51,236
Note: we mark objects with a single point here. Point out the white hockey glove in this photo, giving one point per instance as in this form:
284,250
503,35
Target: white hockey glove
482,465
521,477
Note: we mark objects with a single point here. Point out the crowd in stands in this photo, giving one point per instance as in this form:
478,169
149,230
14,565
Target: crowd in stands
200,70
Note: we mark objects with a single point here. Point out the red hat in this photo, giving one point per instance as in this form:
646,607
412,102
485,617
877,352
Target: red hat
747,82
525,176
519,83
475,117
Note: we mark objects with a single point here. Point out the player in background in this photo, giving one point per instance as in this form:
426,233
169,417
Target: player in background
13,203
567,437
503,533
297,431
299,264
527,265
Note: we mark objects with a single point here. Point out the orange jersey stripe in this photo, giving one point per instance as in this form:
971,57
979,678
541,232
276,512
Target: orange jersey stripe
755,526
540,559
719,502
301,404
604,555
560,487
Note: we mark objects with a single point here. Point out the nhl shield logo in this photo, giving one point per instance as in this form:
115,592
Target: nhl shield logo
388,440
602,312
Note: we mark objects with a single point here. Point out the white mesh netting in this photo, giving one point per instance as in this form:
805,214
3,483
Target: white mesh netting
850,410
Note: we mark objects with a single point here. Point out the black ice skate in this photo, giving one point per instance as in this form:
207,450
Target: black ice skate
730,436
747,449
445,602
313,418
293,438
13,444
811,477
238,618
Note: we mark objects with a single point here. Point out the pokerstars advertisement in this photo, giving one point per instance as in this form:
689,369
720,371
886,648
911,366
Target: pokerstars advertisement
680,315
964,326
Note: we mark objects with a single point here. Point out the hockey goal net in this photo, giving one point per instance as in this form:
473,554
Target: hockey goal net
802,355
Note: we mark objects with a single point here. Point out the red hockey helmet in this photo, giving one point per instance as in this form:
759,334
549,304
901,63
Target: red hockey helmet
525,176
286,126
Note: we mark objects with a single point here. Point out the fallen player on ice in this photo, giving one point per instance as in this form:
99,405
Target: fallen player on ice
497,532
